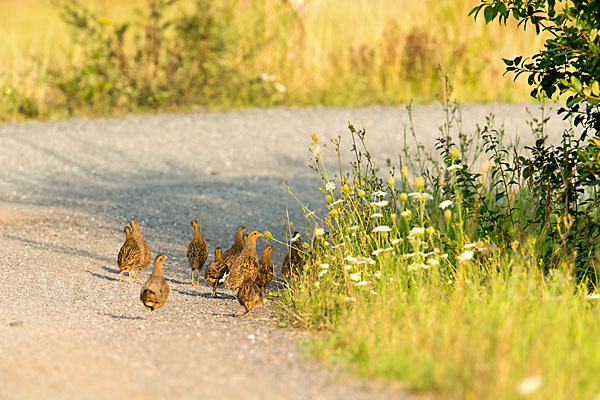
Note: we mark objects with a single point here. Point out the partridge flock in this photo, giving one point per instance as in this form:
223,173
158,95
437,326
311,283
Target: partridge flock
239,267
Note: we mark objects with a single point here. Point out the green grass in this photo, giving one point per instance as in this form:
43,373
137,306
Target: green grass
330,52
412,284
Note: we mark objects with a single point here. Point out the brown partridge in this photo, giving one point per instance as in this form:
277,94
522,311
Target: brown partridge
145,249
215,271
236,248
129,254
265,269
155,291
197,252
249,296
245,266
293,263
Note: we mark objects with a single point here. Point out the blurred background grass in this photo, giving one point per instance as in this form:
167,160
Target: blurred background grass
330,52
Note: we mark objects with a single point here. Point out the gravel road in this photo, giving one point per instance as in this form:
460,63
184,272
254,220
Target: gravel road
69,329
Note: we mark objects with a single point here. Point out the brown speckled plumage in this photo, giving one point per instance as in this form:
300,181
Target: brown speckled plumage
146,255
215,271
236,248
155,291
129,254
245,266
197,252
293,264
265,269
249,296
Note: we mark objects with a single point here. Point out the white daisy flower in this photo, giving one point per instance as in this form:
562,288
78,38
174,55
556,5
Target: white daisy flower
396,241
355,276
362,283
330,186
529,385
445,204
417,231
353,228
453,167
470,245
382,228
347,267
351,259
324,266
375,252
467,255
319,232
379,193
322,273
377,215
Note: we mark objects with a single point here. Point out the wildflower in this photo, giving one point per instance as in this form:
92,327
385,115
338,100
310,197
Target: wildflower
314,137
405,171
291,223
381,203
453,167
353,228
361,193
316,151
324,266
279,87
267,77
376,252
104,21
529,385
454,153
420,196
417,231
310,214
347,267
362,283
445,204
430,230
382,228
420,183
470,245
333,213
396,241
345,189
326,244
349,299
317,283
465,256
305,246
373,292
377,274
432,262
328,198
448,215
330,186
593,296
391,181
267,235
369,261
387,249
351,259
377,215
406,214
335,203
355,276
403,197
393,217
319,231
322,273
379,193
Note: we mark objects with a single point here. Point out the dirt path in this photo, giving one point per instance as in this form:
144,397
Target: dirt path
68,329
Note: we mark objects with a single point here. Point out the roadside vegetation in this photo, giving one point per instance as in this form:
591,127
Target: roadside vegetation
68,57
471,269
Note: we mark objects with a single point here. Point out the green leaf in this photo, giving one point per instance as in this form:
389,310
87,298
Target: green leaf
576,83
489,13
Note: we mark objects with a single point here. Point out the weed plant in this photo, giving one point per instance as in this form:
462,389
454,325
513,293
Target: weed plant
472,274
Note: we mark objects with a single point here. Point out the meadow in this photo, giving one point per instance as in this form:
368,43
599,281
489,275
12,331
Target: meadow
59,58
442,273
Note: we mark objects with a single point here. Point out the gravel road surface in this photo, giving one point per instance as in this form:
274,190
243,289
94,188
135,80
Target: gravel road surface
69,329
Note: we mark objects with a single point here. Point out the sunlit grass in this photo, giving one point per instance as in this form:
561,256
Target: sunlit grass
407,286
340,52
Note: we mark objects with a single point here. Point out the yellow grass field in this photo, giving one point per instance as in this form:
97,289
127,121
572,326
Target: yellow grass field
352,52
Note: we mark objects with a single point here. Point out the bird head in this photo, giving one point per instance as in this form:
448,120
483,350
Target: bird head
218,253
160,258
194,223
127,231
134,225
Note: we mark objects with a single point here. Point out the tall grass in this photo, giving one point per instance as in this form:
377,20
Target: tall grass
319,51
451,281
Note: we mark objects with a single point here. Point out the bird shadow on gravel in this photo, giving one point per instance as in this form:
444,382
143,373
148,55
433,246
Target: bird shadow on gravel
123,317
101,276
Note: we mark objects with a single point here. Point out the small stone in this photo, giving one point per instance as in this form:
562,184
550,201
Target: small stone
16,324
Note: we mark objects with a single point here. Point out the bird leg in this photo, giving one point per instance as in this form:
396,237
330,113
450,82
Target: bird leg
198,280
121,275
153,312
193,280
130,276
214,291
